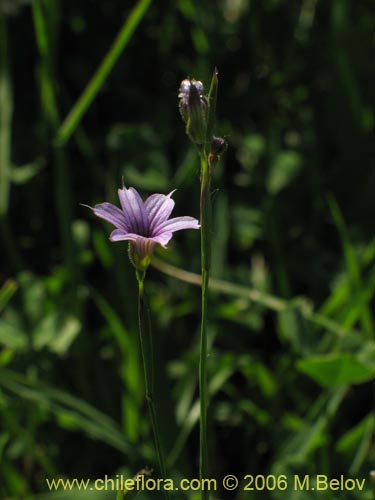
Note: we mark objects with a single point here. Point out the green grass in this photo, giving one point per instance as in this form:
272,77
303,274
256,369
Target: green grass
88,95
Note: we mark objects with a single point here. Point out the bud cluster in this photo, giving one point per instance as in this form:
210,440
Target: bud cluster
198,114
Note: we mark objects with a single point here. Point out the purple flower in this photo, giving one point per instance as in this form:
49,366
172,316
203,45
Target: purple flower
144,224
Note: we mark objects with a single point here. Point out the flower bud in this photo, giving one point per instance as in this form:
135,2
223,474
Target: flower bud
194,109
218,147
140,254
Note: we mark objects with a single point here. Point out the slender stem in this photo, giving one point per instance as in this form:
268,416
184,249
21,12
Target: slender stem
205,216
6,103
6,113
372,480
146,341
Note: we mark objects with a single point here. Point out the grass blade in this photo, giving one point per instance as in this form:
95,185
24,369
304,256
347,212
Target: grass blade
95,84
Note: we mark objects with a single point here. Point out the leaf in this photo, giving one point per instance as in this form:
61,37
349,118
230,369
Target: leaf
212,98
349,442
357,441
312,435
246,225
153,178
24,173
11,336
224,369
333,370
353,267
85,417
295,329
283,170
251,150
56,332
66,335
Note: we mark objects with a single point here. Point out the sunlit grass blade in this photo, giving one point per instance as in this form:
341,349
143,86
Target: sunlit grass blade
272,302
75,115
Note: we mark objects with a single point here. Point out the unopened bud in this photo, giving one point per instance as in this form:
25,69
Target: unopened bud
194,109
218,147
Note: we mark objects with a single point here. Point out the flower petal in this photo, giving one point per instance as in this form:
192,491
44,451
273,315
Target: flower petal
163,238
134,210
120,235
159,207
176,224
111,214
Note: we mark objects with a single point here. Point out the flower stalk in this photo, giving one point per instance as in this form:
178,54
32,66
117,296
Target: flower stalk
146,341
205,219
198,112
144,224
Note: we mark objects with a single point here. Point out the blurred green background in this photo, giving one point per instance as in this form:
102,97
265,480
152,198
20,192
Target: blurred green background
292,357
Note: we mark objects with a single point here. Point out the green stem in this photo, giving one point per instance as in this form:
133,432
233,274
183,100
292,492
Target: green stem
205,219
6,103
6,113
372,480
146,341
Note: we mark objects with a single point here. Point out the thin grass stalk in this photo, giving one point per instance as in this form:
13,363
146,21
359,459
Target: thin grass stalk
205,219
42,14
6,103
147,350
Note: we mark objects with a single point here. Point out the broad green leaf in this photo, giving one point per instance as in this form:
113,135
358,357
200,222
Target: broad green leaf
334,370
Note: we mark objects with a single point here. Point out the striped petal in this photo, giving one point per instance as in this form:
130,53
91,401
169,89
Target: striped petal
159,207
111,214
120,235
177,224
134,210
163,238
